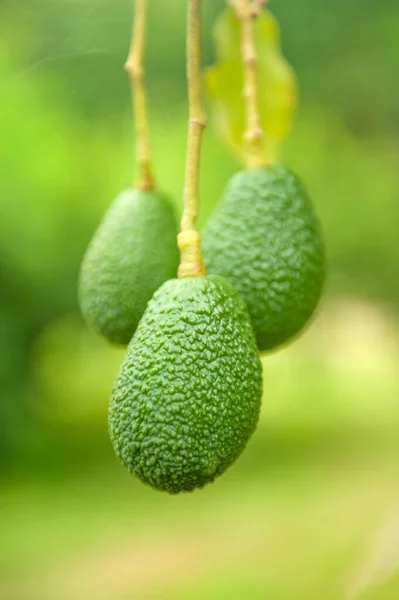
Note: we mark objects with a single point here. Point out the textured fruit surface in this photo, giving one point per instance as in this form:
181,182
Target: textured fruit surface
132,253
188,394
265,238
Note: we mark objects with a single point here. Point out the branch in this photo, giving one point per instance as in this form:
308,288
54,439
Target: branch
191,264
247,10
257,6
135,70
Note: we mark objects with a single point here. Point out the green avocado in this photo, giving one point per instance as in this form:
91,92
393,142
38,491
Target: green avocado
187,397
132,253
265,238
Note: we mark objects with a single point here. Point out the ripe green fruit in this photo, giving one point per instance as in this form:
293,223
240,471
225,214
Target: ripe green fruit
132,253
265,238
187,397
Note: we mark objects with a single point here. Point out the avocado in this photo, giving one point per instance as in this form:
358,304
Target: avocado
133,251
265,238
188,394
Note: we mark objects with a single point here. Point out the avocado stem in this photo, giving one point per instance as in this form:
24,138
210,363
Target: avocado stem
246,11
134,68
191,264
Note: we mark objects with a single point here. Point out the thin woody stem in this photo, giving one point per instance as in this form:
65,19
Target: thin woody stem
135,70
191,264
257,6
246,11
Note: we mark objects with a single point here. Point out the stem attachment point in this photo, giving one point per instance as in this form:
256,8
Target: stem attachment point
191,264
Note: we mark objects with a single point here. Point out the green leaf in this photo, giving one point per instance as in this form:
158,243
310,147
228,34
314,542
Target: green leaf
277,90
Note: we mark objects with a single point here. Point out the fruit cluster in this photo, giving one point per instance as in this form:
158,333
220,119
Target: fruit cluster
188,394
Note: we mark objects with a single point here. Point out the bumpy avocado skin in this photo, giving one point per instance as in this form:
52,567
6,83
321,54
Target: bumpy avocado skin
265,238
133,252
188,394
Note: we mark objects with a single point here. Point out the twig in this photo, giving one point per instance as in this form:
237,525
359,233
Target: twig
135,70
246,10
191,263
257,6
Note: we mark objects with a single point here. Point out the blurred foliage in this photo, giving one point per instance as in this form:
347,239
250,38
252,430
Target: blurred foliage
323,464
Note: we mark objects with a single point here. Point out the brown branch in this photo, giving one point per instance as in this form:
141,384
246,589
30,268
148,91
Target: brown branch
246,11
135,70
191,263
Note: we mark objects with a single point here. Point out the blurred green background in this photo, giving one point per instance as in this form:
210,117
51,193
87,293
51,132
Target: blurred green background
311,510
